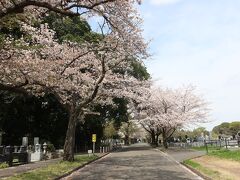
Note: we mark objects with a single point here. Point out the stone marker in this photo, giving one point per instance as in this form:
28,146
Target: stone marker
37,155
36,140
25,141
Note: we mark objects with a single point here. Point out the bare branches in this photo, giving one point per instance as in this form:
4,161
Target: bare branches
73,60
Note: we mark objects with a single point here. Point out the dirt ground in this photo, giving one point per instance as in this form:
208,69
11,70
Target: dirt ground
228,169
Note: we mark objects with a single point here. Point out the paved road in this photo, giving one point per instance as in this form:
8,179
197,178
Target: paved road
181,154
138,162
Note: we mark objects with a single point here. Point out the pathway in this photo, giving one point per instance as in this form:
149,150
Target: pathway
138,162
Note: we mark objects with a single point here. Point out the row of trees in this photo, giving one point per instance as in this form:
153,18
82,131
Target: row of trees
47,49
78,67
166,110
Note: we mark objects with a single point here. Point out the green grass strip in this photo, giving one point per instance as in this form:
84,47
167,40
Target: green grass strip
3,165
205,171
226,154
53,170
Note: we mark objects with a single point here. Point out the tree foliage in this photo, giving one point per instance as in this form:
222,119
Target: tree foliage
42,117
226,128
65,62
165,110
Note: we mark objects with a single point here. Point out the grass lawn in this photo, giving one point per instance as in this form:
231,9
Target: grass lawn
205,171
3,165
221,153
226,154
215,158
54,170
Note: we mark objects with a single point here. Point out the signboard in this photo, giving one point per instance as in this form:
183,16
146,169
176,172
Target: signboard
94,138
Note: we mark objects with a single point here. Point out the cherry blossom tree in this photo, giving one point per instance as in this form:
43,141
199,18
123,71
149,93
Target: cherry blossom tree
65,7
127,130
166,109
77,74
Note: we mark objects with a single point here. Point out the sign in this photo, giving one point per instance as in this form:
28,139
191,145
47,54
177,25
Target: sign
94,137
90,152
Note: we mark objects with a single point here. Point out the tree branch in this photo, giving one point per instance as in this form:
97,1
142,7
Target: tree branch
19,7
15,89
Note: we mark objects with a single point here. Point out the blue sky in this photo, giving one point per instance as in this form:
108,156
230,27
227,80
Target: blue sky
197,42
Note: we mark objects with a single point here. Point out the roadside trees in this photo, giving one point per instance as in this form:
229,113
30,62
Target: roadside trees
127,129
167,109
76,74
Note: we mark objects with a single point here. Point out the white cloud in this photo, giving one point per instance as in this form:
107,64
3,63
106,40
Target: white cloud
163,2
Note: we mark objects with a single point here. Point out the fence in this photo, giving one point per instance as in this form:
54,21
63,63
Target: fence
12,155
218,144
224,143
186,144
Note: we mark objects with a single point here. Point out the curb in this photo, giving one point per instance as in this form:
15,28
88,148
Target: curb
79,167
196,172
182,165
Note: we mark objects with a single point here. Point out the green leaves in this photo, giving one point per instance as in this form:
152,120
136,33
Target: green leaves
227,128
73,29
10,25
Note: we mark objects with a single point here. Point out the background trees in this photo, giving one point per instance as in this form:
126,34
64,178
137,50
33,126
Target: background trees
128,129
41,117
193,135
165,110
229,129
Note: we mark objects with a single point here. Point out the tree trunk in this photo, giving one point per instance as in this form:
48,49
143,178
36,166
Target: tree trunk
156,140
70,136
126,140
164,136
153,138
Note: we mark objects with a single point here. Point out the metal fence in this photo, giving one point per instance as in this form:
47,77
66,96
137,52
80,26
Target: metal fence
218,144
13,155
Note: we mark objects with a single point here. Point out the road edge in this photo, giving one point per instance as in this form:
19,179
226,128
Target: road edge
196,172
183,166
80,167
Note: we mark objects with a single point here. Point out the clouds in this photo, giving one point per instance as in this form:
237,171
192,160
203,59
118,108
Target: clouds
164,2
198,42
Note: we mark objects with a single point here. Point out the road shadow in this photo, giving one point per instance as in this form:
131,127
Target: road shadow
136,148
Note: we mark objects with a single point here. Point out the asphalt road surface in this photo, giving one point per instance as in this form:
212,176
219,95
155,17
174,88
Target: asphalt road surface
137,162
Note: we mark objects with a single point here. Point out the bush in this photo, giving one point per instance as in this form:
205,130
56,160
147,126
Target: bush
3,165
50,148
